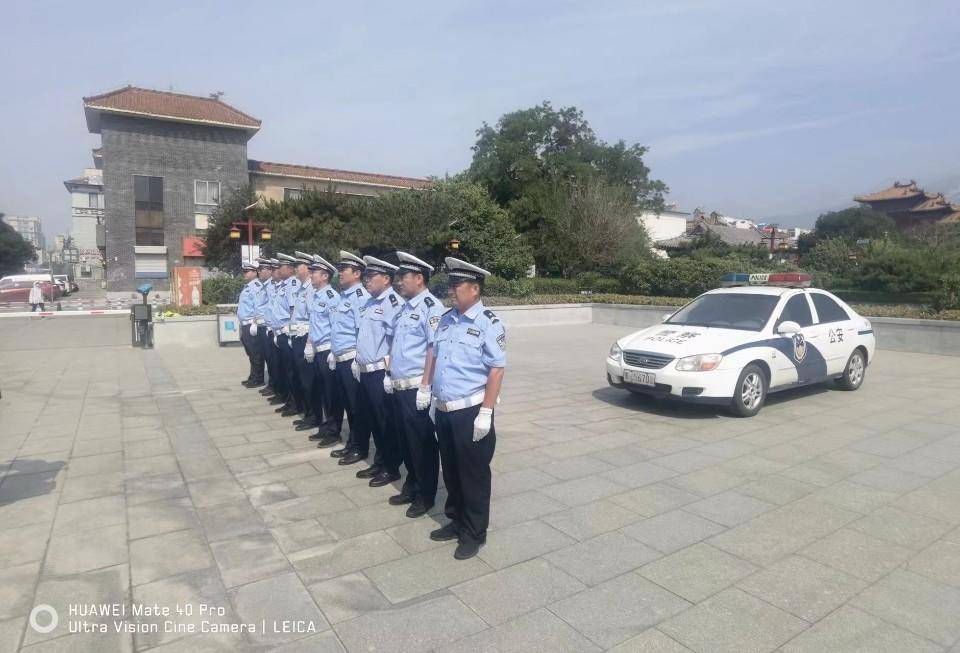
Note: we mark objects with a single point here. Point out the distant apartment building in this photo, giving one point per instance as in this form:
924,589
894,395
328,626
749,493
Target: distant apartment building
87,222
30,229
167,160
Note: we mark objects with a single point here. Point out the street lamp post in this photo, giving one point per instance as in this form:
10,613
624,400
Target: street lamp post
249,224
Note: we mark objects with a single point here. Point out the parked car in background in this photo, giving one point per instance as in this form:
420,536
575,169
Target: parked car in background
16,288
64,282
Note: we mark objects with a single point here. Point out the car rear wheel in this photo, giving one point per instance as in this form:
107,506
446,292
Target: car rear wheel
751,391
854,372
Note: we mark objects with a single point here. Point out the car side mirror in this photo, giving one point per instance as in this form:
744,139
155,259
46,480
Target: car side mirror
788,328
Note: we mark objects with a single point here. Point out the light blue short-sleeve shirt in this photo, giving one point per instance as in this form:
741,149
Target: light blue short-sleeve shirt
413,333
466,348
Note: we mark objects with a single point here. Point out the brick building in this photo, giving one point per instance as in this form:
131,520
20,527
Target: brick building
167,159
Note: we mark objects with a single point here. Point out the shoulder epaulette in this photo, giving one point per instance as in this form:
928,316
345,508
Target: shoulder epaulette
429,302
491,315
393,300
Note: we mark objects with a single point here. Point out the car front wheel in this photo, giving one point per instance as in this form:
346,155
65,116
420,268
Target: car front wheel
854,372
751,391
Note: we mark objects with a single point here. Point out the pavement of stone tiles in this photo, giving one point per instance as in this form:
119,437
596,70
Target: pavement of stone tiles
829,522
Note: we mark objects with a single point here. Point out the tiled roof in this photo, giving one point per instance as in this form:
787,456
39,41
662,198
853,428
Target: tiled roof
730,235
169,106
332,174
932,203
953,217
896,192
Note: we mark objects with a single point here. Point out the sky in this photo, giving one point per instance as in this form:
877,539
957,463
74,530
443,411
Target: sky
758,109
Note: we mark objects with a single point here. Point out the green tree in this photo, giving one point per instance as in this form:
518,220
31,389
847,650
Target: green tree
15,252
542,145
423,222
855,223
219,251
590,226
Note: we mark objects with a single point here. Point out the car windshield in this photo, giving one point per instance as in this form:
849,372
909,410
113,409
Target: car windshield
744,311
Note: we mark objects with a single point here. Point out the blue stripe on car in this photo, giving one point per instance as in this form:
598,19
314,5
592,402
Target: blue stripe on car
813,367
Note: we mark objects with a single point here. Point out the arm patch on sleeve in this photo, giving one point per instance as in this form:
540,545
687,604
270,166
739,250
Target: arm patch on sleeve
491,315
329,293
429,302
359,292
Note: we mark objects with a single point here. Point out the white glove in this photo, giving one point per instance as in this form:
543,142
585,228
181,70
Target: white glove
331,361
253,329
481,425
308,352
387,384
424,393
355,369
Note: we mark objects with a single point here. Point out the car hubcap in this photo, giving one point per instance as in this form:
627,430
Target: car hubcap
856,369
752,391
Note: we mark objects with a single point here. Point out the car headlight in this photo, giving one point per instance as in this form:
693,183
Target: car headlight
699,363
615,351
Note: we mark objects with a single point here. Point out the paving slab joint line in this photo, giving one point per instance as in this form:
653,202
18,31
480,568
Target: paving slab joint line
200,430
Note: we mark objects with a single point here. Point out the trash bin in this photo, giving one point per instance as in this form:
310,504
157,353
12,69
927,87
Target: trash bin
228,324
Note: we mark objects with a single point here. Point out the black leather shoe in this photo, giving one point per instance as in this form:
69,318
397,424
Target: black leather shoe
267,391
445,533
245,382
287,411
326,441
305,426
418,509
370,471
384,478
467,549
400,499
352,458
277,399
340,453
254,384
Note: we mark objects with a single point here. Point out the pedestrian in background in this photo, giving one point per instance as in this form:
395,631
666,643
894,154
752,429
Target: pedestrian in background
35,297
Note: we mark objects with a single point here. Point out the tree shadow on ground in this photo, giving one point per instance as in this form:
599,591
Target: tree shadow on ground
25,478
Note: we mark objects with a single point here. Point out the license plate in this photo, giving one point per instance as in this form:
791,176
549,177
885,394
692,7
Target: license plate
639,378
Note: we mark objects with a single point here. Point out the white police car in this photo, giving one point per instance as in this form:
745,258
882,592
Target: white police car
732,346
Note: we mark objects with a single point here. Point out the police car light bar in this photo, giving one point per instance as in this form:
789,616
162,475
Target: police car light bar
786,279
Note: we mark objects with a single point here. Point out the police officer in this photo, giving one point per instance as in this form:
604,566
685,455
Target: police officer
282,309
299,331
466,369
260,328
273,288
247,314
413,335
327,410
373,350
343,351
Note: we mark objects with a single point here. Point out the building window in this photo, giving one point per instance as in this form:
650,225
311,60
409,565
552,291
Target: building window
207,192
291,194
93,200
148,204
